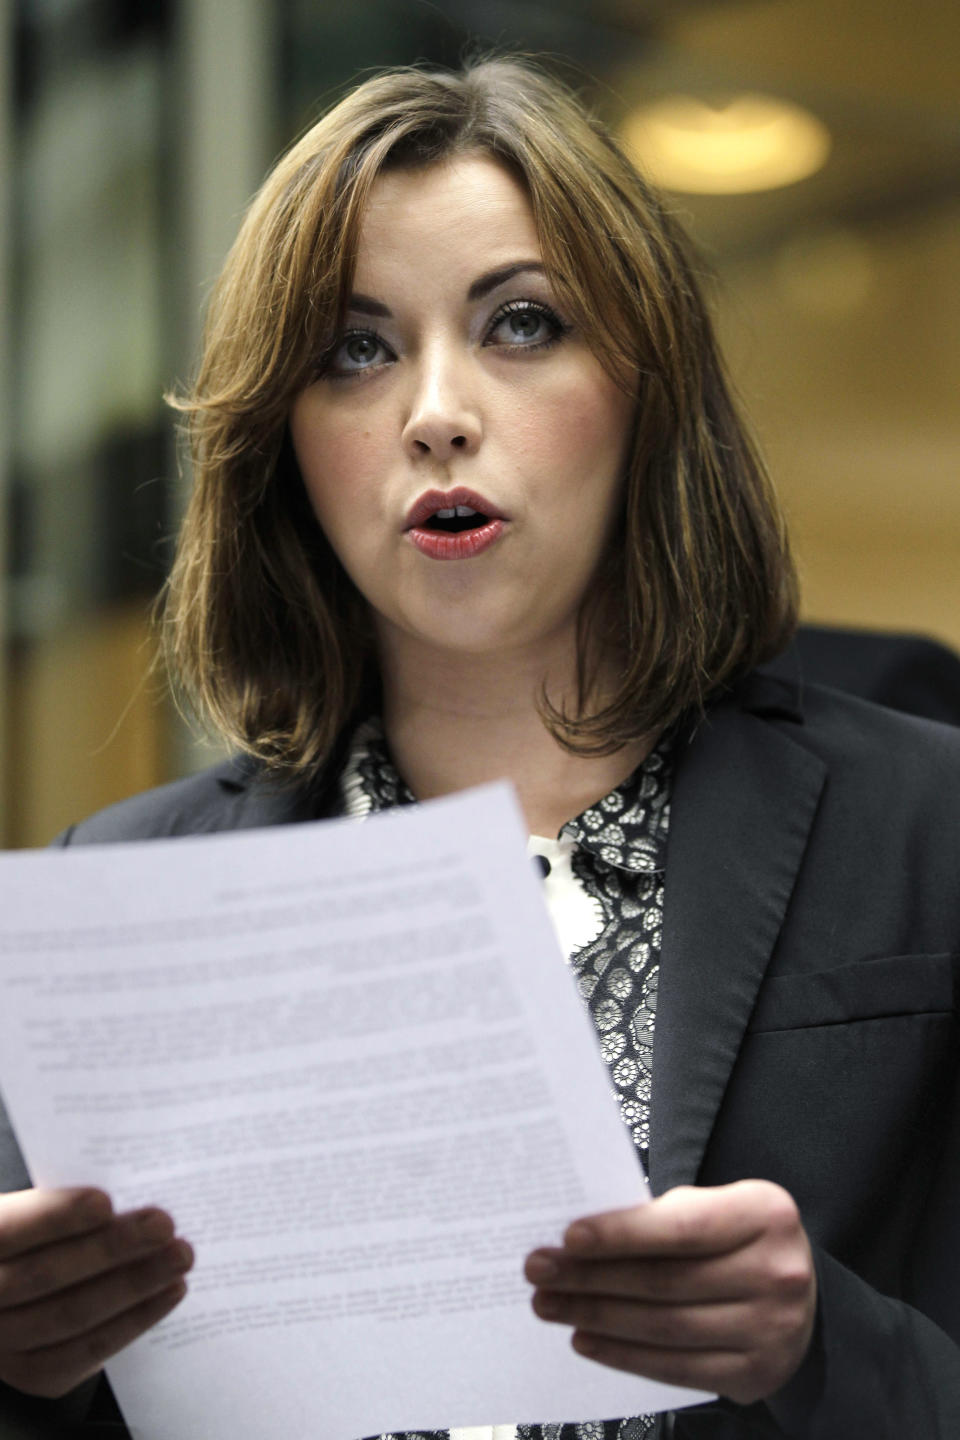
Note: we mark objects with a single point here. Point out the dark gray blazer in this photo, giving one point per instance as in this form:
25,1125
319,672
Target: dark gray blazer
906,672
807,1028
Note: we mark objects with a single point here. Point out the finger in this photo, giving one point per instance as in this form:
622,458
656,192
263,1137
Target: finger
674,1327
735,1276
686,1221
716,1371
59,1266
84,1308
52,1371
30,1218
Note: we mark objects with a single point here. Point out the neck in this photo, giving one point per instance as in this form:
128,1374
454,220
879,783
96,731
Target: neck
453,721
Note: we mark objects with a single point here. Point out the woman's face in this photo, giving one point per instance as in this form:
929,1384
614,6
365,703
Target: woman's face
464,449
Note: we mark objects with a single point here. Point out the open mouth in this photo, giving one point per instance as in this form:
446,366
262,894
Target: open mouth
457,524
453,521
450,512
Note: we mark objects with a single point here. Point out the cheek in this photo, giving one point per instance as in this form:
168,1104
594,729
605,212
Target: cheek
582,431
337,465
601,420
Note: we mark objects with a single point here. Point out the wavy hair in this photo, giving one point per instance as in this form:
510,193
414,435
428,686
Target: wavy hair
269,639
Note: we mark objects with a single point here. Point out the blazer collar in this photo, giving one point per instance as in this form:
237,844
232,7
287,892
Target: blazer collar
744,798
263,799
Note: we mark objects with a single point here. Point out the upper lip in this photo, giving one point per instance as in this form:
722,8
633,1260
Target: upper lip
431,501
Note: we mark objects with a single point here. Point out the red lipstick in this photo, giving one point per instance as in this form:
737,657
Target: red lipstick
439,507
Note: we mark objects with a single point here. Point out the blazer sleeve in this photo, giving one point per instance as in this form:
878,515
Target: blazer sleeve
878,1366
883,1367
28,1417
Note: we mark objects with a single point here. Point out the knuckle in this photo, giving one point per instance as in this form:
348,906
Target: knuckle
790,1277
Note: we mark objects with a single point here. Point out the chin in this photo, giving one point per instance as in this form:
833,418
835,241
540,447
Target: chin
479,641
486,636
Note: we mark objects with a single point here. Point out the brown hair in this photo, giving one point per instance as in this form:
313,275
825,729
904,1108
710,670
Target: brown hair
269,638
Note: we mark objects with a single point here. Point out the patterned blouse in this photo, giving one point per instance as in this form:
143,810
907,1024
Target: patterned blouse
603,883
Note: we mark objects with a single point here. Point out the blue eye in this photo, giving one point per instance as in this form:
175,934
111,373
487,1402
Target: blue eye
357,351
525,325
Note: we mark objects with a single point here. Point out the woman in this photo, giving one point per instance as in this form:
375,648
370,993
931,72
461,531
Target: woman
472,500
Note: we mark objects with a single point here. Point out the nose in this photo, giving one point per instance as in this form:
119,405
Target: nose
443,419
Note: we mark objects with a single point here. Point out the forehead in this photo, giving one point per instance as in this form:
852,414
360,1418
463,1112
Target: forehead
468,209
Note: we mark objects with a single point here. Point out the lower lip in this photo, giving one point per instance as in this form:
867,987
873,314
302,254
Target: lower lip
439,545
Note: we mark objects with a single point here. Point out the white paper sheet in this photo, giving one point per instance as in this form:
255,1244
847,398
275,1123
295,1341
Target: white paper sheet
349,1059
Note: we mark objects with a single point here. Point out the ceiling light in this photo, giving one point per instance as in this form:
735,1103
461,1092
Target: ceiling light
749,142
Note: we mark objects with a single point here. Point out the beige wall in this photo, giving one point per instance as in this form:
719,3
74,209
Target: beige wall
87,724
846,347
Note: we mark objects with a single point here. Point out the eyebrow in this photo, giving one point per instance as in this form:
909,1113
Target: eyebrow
493,278
481,287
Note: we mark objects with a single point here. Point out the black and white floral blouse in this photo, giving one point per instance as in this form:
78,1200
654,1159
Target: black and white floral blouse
603,883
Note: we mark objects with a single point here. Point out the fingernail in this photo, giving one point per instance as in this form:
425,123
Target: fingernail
154,1225
96,1207
542,1267
585,1345
181,1255
580,1236
548,1305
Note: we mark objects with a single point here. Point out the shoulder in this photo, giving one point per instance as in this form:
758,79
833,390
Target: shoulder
234,795
842,726
907,672
872,765
882,777
867,795
870,740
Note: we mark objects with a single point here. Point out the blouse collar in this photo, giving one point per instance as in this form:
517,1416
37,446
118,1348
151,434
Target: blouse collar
626,829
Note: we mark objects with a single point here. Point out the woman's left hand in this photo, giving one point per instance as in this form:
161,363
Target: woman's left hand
713,1288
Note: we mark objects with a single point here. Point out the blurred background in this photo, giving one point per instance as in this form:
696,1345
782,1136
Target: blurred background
813,148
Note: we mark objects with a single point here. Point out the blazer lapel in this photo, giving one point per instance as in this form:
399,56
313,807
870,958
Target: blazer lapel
744,798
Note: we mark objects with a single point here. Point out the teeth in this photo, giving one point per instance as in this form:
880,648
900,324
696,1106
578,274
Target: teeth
458,512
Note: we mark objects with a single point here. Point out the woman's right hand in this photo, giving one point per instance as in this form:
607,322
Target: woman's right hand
78,1283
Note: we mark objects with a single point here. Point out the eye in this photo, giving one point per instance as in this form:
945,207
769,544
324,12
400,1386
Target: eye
525,325
355,352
